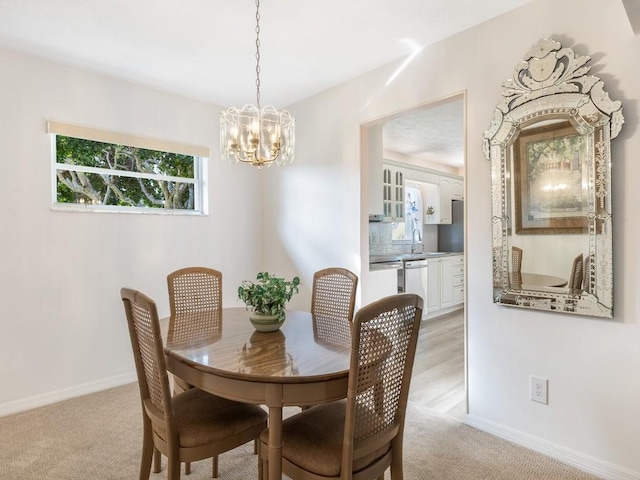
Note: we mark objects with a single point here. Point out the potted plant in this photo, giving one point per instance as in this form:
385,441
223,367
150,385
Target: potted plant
267,298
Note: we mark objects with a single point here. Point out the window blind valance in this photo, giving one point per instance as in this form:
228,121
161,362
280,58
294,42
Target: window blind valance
117,138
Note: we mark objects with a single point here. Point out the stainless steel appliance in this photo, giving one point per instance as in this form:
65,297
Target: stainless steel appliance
415,279
451,237
385,262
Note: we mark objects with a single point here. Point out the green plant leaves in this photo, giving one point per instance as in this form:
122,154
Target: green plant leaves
269,294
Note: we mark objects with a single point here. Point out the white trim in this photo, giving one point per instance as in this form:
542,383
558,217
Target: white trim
84,208
199,181
124,173
586,463
418,168
48,398
202,200
118,138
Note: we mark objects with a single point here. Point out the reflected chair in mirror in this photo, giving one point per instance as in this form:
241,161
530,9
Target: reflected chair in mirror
192,425
587,274
333,302
575,280
516,260
360,436
516,267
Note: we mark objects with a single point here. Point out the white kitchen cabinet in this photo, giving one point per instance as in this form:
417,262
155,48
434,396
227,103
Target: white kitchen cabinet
392,192
430,203
458,279
457,189
446,293
446,192
445,284
438,197
434,286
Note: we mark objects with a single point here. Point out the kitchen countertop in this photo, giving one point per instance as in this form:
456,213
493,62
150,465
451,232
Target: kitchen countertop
410,256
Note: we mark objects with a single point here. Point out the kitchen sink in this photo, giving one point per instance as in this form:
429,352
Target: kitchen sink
422,256
374,259
414,256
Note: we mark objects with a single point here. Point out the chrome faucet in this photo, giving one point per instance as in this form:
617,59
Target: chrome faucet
413,237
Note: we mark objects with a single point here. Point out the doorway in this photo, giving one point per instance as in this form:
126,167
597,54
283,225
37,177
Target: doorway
428,139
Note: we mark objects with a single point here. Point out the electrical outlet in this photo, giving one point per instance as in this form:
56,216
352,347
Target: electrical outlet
539,387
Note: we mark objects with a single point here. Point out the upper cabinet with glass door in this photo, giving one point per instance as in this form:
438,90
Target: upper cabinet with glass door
393,192
549,147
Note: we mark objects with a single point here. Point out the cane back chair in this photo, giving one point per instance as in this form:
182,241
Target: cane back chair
360,437
333,301
194,290
189,426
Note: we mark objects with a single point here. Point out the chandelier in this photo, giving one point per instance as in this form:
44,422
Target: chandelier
254,134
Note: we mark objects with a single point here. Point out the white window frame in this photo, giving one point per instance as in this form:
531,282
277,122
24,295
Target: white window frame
199,154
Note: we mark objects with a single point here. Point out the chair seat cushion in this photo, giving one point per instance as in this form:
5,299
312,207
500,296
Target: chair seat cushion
313,440
202,418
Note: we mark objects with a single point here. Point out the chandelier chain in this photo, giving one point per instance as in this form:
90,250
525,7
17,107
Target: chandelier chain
251,135
258,54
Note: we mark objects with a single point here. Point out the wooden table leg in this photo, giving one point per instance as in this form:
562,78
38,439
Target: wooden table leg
274,402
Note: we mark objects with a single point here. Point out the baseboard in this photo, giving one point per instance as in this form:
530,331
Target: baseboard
586,463
445,311
64,394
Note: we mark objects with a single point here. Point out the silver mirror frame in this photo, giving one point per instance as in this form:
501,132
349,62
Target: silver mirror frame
550,85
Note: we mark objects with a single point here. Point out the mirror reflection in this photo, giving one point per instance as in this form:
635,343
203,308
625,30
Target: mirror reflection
548,145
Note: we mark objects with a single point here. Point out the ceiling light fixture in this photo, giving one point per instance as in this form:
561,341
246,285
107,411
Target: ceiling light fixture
257,135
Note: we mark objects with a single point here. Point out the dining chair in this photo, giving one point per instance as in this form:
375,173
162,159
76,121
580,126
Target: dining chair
189,426
575,280
193,290
333,300
361,436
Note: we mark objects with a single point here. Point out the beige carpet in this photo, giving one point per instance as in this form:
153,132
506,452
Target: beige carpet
99,437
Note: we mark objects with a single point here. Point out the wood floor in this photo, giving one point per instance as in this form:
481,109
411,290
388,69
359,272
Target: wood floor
438,371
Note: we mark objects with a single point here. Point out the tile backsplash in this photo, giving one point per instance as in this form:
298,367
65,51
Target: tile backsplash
380,235
381,243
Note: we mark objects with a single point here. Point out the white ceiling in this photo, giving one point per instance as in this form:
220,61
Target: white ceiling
434,133
205,49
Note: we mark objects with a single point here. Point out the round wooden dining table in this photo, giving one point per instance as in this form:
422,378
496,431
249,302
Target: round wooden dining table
303,363
536,280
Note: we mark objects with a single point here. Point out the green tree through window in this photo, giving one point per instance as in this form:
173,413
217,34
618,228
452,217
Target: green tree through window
98,173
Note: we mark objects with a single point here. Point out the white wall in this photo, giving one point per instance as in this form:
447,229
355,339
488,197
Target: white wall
319,215
63,330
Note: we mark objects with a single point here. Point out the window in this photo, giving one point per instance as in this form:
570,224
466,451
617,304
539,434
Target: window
105,171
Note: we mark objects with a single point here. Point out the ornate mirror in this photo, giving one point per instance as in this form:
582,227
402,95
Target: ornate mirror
549,147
